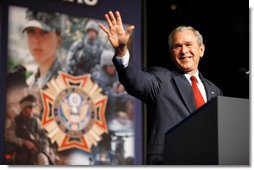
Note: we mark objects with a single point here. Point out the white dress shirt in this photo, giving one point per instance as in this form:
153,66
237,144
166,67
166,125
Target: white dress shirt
125,59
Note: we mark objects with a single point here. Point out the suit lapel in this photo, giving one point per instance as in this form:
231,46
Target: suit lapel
186,91
210,92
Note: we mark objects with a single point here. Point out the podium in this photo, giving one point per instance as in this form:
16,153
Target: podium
216,134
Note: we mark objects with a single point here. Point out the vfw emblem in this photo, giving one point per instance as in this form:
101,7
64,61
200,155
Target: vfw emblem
74,112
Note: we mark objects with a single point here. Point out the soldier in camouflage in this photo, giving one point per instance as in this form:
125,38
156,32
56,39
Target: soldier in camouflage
16,90
107,78
84,54
36,148
44,38
119,110
43,33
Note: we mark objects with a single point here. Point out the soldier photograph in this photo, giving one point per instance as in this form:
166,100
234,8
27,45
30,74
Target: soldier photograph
75,45
17,89
84,54
23,134
36,149
43,35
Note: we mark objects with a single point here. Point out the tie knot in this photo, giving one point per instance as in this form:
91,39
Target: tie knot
193,78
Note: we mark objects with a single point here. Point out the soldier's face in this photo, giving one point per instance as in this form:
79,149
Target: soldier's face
28,111
42,45
110,70
92,34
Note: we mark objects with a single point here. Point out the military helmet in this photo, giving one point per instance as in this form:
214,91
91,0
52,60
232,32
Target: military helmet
44,20
28,101
106,58
92,25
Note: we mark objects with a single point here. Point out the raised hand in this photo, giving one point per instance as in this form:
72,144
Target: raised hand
116,33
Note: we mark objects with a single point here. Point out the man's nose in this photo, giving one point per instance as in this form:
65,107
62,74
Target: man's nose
184,49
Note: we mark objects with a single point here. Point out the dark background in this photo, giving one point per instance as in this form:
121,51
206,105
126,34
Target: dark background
225,29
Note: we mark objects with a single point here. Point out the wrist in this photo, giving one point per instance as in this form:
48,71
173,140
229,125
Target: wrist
121,50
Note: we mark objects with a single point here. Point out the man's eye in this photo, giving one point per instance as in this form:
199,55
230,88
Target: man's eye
43,33
176,46
188,45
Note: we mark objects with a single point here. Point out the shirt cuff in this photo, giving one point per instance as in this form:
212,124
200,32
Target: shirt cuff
125,59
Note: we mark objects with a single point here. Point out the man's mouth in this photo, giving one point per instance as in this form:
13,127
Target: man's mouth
184,57
37,50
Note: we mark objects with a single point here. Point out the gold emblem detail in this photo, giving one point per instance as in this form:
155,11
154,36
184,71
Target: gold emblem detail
74,112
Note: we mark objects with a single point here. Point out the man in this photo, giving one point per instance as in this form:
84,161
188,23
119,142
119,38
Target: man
17,89
43,39
168,93
84,54
106,75
36,148
107,79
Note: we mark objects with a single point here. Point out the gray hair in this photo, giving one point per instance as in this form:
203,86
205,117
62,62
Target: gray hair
184,28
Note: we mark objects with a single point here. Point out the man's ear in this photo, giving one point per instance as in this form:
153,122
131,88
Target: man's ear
202,50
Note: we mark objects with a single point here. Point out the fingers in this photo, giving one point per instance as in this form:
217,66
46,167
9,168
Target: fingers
103,28
130,29
112,17
113,20
118,18
108,20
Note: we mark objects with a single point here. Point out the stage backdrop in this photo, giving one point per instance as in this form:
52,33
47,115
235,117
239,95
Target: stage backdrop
58,69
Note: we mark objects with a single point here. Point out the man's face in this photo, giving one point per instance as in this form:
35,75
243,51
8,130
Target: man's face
92,35
186,52
110,70
28,111
42,44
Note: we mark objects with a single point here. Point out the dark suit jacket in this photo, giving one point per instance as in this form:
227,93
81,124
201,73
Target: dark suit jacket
168,94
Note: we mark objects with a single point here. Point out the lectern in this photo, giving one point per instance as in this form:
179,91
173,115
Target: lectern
216,134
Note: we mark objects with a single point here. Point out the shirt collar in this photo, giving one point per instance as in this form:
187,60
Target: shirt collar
187,75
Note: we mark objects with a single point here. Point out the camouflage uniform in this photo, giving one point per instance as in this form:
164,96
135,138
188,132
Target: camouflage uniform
35,82
117,101
29,128
16,88
100,76
50,22
84,54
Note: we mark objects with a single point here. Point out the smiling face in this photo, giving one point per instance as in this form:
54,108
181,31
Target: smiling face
186,51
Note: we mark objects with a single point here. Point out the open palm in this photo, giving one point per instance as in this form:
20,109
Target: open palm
116,33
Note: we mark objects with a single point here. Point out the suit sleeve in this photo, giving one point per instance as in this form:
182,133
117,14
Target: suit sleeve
144,85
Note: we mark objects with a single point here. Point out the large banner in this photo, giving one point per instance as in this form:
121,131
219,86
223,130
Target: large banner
64,102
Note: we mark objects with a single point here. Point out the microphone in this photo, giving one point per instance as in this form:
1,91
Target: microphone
243,72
